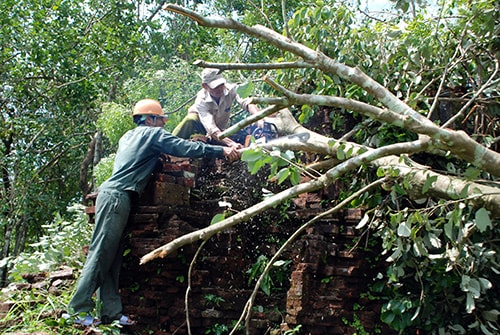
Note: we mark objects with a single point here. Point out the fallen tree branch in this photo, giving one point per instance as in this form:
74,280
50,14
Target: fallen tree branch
445,187
386,157
457,142
326,179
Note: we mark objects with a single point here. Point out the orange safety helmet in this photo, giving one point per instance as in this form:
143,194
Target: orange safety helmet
148,107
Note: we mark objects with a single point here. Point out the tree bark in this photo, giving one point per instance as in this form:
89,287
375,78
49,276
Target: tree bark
84,169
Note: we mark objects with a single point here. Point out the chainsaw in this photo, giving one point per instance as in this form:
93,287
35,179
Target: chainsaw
263,134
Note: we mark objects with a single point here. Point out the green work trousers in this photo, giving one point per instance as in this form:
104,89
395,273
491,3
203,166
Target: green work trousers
102,267
189,126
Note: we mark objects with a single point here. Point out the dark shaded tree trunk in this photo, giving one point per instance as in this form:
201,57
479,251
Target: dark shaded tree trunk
84,169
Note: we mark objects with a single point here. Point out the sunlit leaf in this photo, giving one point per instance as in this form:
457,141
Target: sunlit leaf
469,304
363,221
483,221
245,89
282,175
404,229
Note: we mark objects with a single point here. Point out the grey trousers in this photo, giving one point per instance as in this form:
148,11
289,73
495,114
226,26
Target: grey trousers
102,266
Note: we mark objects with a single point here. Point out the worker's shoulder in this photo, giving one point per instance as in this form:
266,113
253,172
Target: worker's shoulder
149,131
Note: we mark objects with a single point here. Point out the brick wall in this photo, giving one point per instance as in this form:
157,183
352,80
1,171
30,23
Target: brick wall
323,283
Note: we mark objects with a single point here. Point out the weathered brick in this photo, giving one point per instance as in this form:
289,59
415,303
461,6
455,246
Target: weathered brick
326,278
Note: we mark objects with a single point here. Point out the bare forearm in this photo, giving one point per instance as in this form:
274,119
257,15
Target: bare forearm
253,109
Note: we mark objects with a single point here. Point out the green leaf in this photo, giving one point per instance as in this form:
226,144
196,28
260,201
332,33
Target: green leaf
251,155
471,285
486,331
485,284
255,167
380,172
465,191
395,255
218,218
419,248
448,229
289,154
244,90
388,317
404,229
255,159
265,284
472,173
483,221
433,240
282,175
51,322
340,152
491,315
280,263
469,304
295,176
428,183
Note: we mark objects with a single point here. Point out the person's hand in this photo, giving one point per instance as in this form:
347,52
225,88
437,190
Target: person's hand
231,153
236,145
230,143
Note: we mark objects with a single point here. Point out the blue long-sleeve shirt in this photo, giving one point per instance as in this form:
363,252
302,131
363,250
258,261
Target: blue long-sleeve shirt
138,152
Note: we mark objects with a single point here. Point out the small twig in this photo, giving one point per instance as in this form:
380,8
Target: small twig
182,105
322,165
259,9
283,15
188,289
447,68
348,135
157,9
253,66
179,328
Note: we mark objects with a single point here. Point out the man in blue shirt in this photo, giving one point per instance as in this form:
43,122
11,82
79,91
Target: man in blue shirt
136,158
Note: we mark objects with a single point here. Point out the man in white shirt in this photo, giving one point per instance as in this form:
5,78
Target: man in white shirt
210,113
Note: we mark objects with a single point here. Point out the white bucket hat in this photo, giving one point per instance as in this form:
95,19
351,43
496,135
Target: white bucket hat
212,78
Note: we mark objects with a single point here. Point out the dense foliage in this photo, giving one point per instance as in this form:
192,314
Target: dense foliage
443,256
58,61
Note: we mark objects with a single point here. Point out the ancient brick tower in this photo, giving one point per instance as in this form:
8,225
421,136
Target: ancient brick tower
322,290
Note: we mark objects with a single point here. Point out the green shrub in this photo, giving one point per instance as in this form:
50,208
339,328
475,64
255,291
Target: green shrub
60,246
